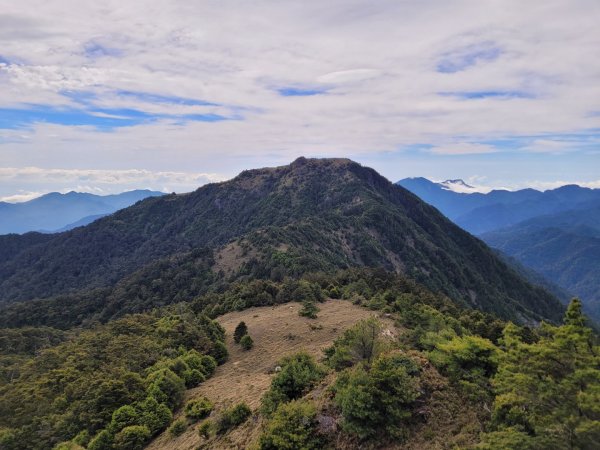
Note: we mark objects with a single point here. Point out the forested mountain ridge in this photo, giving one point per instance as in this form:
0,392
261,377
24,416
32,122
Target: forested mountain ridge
564,247
311,215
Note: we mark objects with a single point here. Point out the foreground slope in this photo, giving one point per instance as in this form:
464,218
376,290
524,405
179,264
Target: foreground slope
308,216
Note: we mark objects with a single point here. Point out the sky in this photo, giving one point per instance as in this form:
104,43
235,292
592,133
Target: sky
107,96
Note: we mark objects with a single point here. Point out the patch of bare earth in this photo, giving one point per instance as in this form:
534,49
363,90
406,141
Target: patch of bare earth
277,331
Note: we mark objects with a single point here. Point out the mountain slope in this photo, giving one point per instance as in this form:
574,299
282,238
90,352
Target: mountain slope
308,216
56,211
480,213
563,247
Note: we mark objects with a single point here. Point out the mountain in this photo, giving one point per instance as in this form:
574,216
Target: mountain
564,247
312,215
58,212
480,213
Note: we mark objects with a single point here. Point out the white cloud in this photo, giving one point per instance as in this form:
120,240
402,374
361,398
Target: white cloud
96,181
379,61
462,148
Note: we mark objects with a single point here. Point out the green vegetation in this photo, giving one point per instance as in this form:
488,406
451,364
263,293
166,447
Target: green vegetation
240,331
246,342
117,383
299,373
309,309
378,398
293,426
178,427
232,417
198,409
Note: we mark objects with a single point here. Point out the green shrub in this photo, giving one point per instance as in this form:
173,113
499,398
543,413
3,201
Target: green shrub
246,342
123,417
156,416
178,427
166,387
209,364
198,409
232,417
293,426
379,398
206,429
193,378
220,352
240,331
102,441
309,309
132,438
298,374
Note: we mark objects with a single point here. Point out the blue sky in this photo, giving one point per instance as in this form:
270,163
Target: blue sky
169,95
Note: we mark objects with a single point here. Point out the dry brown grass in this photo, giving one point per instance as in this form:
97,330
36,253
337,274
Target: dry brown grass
277,331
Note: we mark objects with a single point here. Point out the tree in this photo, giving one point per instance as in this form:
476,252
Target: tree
246,342
549,390
166,387
379,398
240,331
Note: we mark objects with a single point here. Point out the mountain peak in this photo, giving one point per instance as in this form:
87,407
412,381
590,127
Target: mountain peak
459,186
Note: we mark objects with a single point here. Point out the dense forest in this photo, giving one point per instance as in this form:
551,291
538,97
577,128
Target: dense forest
114,386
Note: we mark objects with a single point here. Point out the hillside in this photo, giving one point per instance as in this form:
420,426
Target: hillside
59,212
311,215
563,247
480,213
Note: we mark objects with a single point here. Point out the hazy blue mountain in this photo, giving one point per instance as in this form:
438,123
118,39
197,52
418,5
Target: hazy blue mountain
563,247
480,213
60,212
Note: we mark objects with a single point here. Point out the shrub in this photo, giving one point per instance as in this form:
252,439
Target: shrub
293,426
309,309
166,387
379,398
240,331
232,417
209,364
123,417
132,438
193,378
220,352
156,416
298,374
246,342
178,427
206,429
102,441
198,409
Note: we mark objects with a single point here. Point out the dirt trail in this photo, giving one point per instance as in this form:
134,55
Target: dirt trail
277,331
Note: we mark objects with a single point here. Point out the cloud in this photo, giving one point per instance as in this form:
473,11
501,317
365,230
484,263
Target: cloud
146,80
96,181
462,148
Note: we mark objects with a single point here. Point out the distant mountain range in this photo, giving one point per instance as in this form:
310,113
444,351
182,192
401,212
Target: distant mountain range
479,213
556,232
57,212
